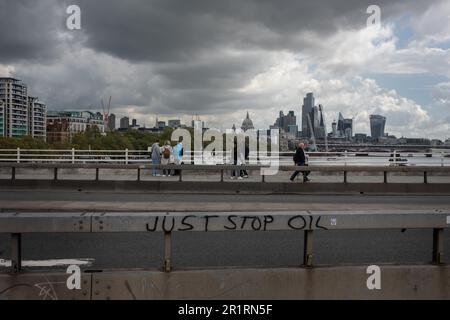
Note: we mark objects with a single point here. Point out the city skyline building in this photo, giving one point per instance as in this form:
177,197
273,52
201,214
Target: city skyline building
174,123
13,93
307,109
247,124
37,118
124,123
63,125
20,114
313,123
284,121
377,126
112,122
293,130
134,125
318,122
161,125
343,128
2,118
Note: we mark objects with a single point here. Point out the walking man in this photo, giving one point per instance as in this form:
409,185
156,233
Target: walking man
300,159
244,173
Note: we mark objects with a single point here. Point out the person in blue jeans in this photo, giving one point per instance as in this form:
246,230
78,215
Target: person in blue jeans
300,160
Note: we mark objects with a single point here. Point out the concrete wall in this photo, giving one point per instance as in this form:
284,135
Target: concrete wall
228,187
343,282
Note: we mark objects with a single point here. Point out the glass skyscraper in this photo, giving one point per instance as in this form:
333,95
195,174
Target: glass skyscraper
377,124
307,109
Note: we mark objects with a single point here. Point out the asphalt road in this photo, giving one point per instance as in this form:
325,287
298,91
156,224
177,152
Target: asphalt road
198,250
117,198
281,248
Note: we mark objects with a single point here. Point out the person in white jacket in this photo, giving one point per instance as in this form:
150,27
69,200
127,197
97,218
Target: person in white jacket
178,155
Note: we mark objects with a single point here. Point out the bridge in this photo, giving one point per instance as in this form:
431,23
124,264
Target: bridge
202,235
366,147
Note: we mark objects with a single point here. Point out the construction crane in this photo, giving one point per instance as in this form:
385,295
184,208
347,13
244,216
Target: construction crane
106,109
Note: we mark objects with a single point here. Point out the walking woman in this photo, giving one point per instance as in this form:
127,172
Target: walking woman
156,157
167,157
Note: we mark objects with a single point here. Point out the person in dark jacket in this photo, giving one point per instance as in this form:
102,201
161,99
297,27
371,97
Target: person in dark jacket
244,173
300,159
235,173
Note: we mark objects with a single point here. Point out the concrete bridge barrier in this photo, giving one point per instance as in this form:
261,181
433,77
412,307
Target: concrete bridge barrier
212,179
307,281
337,282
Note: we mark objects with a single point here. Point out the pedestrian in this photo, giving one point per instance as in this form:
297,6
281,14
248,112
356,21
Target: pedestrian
244,173
167,157
156,157
178,155
238,159
301,159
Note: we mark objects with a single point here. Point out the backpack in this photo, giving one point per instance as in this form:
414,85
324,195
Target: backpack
166,153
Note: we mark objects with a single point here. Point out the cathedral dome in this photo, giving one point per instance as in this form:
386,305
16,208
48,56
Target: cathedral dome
247,124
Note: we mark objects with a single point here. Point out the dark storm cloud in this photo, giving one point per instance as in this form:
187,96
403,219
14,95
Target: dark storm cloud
216,71
170,30
29,29
178,30
186,56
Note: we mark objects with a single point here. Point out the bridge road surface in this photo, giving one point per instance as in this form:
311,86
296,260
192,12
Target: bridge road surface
218,249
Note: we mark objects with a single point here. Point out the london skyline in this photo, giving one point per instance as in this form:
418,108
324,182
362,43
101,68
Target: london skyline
222,60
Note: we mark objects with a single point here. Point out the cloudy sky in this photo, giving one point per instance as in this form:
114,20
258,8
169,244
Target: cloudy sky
219,59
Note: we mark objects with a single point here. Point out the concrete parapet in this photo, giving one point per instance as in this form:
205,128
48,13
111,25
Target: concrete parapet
340,282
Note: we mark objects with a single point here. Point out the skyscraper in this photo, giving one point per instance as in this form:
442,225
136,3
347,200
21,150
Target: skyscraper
318,122
112,122
348,128
340,125
377,124
292,130
313,123
124,123
307,109
334,133
344,127
284,121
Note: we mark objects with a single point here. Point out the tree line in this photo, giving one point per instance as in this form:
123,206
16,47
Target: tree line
93,139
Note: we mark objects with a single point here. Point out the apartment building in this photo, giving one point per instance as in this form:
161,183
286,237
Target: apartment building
20,114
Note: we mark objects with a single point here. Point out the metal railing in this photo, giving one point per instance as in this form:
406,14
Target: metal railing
126,156
342,169
167,223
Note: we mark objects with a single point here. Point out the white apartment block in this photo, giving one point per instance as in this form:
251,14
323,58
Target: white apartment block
2,118
37,118
20,115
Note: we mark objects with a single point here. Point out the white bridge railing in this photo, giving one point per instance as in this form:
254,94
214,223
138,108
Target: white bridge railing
126,156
